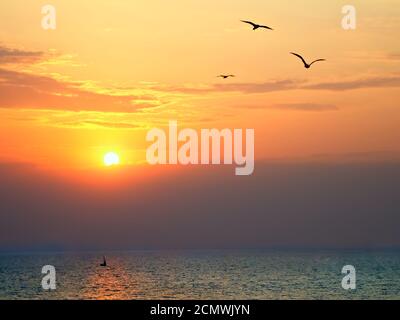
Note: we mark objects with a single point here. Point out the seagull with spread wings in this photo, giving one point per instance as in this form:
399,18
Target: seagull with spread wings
306,65
256,26
226,76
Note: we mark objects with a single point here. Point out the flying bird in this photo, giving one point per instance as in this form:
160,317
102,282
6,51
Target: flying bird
226,76
256,26
306,65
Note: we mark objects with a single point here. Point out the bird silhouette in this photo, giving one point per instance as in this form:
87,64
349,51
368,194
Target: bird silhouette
256,26
306,65
226,76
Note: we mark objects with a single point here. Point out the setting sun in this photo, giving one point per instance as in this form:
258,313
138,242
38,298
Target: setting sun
111,159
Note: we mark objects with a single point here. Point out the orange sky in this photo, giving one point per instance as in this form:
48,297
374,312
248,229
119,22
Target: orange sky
114,69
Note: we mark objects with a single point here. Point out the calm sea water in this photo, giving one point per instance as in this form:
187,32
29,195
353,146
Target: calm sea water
202,275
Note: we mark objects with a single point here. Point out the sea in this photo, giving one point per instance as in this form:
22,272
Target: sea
217,274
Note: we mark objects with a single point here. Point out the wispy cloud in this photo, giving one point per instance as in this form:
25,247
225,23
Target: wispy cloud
267,86
294,106
379,56
393,56
8,55
25,90
104,124
305,107
389,81
22,89
362,83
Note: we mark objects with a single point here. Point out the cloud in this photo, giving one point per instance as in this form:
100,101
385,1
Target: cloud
363,83
28,90
25,90
293,106
267,86
393,56
11,56
390,81
104,124
306,107
375,56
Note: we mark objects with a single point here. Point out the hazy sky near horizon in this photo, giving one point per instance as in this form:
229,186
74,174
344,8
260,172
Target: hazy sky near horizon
283,205
114,69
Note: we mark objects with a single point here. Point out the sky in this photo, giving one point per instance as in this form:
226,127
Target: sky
326,145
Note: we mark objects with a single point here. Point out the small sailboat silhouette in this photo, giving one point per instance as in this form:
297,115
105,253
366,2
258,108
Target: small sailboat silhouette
104,264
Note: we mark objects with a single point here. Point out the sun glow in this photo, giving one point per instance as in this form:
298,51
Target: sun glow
111,159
